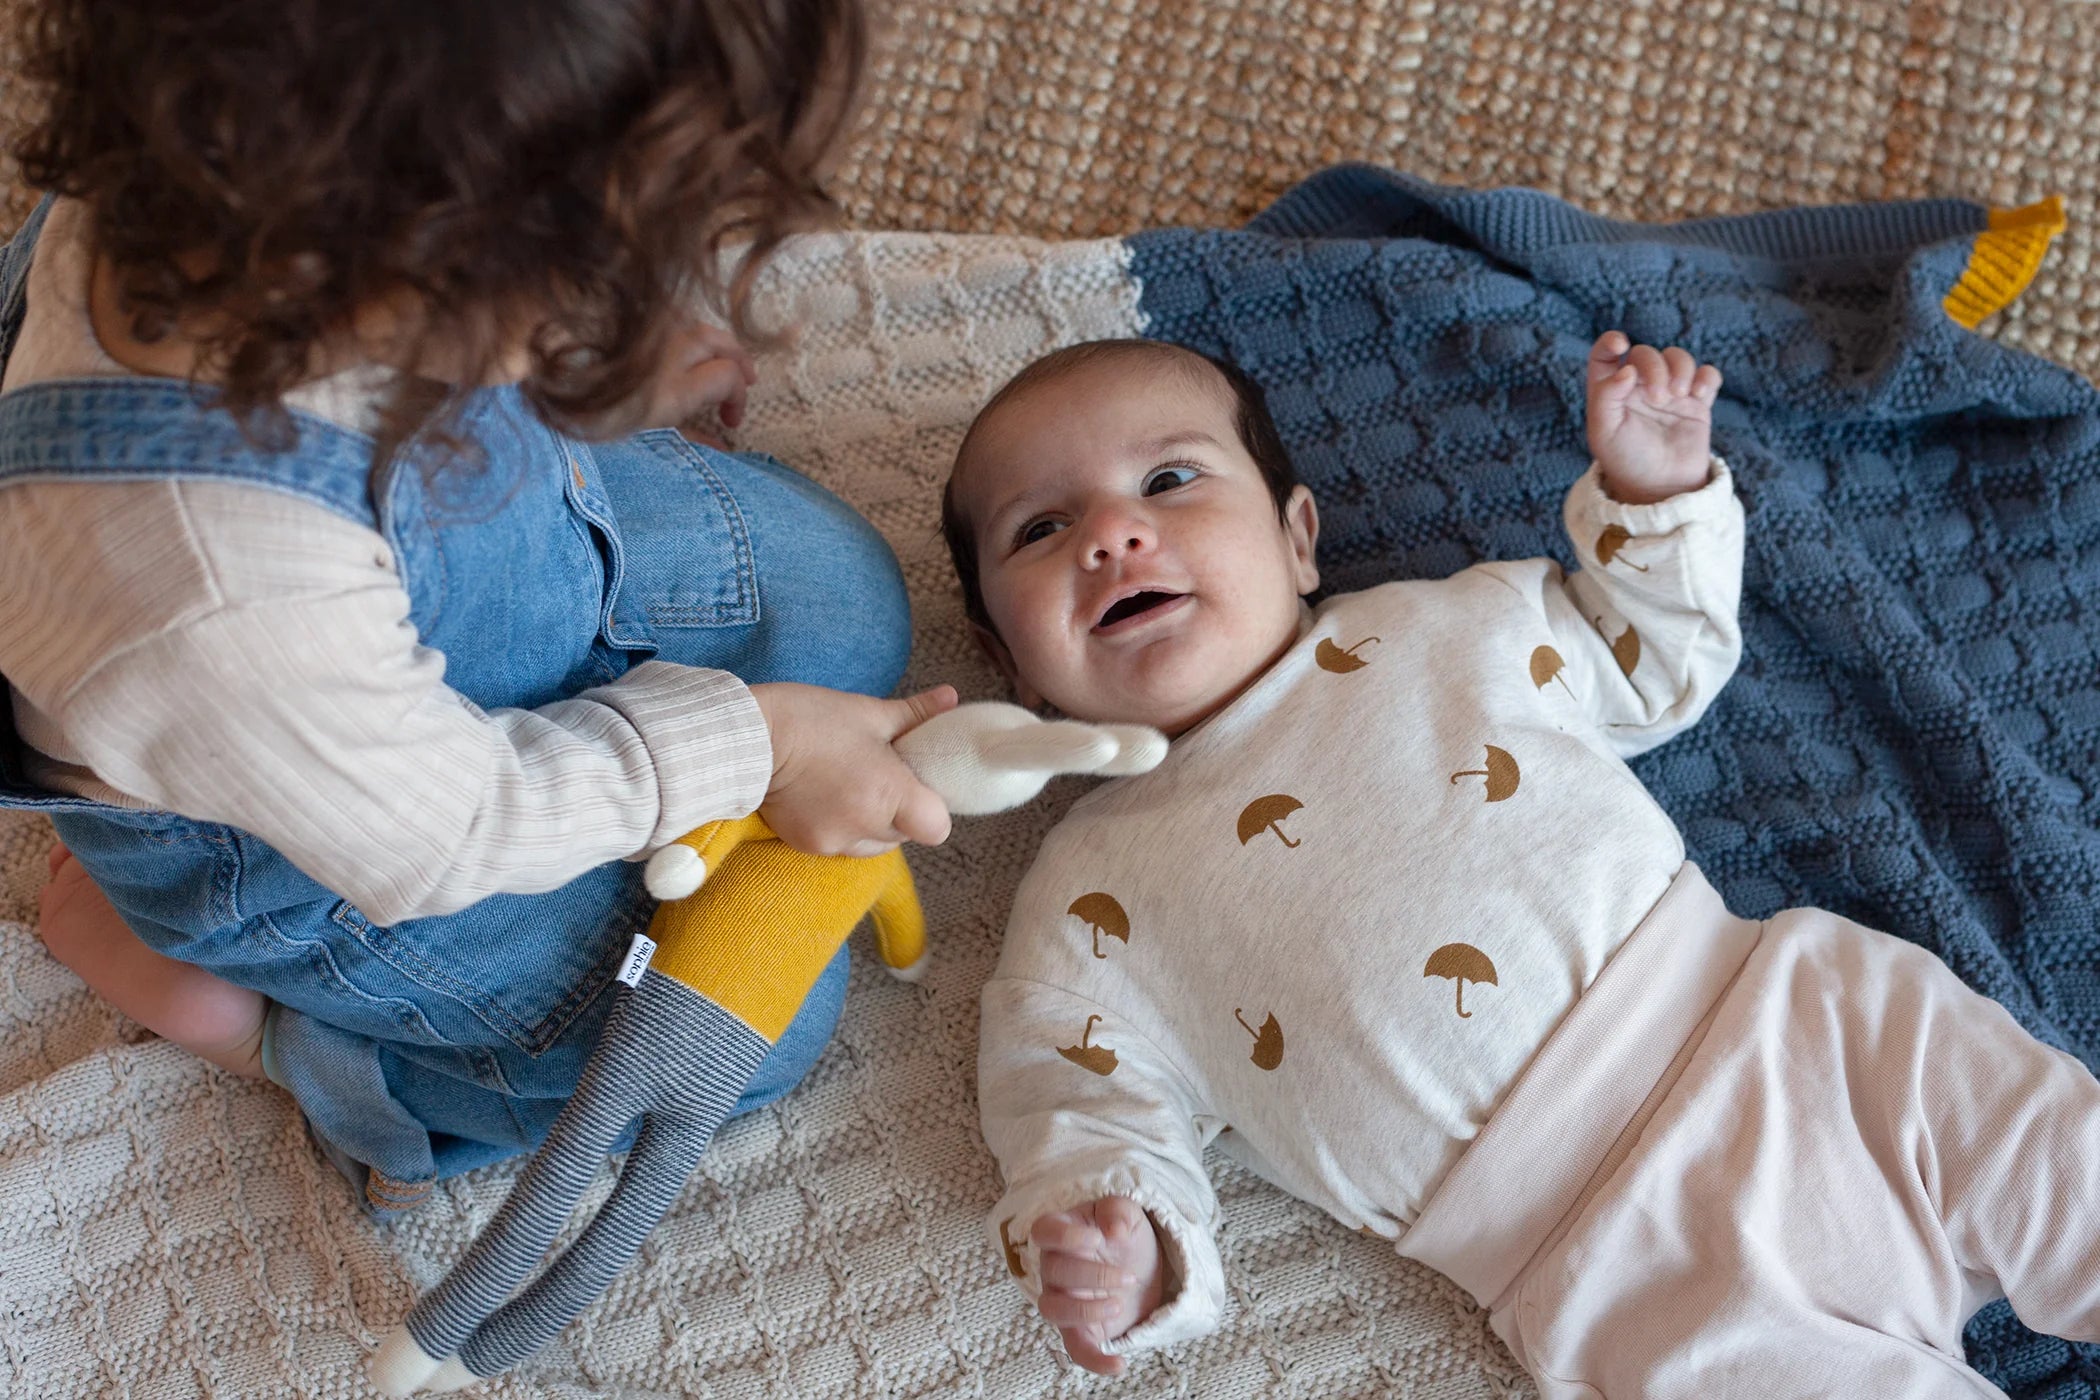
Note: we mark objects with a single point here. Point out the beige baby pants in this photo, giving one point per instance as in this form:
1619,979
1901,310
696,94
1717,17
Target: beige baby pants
1818,1153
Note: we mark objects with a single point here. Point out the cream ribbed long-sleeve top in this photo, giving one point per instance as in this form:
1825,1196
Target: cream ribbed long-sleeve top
1335,925
239,655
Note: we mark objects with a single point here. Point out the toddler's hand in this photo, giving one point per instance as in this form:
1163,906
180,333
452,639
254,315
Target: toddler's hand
705,372
1651,418
838,787
1101,1276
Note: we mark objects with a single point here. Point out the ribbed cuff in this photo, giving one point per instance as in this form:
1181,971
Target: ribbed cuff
707,741
1590,505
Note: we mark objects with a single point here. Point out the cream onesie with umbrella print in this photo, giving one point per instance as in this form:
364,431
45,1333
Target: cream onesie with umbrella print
1347,910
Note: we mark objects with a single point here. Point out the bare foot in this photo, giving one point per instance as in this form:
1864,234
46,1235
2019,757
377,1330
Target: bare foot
204,1014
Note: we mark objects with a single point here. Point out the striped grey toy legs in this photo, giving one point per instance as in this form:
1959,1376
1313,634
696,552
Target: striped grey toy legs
667,1056
524,1226
656,1170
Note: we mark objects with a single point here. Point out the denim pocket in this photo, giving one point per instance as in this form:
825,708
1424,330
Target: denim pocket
521,966
686,558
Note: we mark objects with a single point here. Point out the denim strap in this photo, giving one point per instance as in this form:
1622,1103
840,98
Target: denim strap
146,429
14,276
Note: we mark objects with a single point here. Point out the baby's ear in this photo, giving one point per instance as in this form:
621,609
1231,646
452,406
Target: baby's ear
1301,521
988,642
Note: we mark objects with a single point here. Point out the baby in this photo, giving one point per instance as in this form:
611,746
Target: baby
1396,927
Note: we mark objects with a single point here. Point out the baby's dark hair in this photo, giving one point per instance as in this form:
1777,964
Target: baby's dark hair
257,170
1251,420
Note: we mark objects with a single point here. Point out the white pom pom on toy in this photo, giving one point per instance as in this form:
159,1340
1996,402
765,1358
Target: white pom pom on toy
674,872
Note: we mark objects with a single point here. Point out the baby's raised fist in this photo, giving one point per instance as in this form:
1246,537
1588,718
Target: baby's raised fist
1651,418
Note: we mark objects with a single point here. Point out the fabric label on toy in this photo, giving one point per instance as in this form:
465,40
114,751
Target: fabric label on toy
638,954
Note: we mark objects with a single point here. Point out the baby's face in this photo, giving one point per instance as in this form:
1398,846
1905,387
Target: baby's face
1129,551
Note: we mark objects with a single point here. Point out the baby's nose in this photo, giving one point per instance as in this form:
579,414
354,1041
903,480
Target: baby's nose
1109,549
1115,534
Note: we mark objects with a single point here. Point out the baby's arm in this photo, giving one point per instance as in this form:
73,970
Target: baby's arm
1647,628
1108,1215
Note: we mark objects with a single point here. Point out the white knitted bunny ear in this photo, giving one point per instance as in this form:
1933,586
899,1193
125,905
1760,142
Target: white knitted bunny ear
1048,746
991,756
1139,749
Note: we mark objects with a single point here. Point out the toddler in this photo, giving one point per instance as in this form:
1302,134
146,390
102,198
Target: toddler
1396,927
352,635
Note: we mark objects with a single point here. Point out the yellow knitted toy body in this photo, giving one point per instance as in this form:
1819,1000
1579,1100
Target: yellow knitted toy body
754,938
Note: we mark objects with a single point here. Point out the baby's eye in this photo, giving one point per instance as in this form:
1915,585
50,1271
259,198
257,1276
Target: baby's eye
1167,479
1034,530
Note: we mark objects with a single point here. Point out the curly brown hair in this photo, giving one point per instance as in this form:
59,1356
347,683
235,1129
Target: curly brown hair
257,170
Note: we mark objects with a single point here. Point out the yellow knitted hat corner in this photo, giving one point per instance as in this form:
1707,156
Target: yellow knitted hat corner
2007,255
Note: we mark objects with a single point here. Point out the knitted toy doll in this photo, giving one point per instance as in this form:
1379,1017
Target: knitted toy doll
747,927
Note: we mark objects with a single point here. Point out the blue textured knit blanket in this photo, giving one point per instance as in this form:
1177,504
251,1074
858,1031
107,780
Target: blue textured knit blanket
1913,739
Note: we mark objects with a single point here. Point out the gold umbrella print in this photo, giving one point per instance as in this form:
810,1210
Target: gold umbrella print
1105,914
1340,660
1463,963
1501,774
1012,1247
1609,543
1268,1041
1546,667
1098,1059
1264,814
1627,650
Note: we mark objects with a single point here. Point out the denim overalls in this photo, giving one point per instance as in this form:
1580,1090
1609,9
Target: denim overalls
442,1044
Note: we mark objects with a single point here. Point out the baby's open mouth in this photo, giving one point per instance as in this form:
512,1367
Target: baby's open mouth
1124,609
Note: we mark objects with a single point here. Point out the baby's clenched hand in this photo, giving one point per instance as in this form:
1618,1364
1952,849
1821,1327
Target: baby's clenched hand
1651,418
1101,1276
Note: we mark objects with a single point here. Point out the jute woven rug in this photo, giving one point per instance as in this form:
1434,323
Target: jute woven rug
169,1231
1062,118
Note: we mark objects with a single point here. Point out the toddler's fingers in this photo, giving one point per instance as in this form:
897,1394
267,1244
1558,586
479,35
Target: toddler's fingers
700,340
921,815
712,384
1707,382
912,711
1681,366
727,348
731,410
